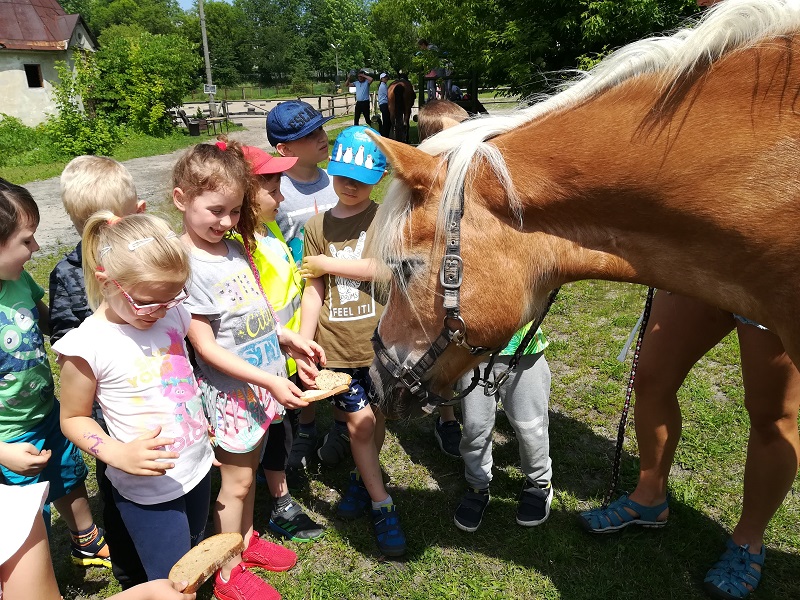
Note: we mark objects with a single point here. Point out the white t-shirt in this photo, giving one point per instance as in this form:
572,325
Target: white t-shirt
144,379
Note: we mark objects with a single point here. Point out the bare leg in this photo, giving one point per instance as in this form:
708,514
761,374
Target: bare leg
681,330
276,482
74,508
447,413
361,426
29,573
233,510
772,397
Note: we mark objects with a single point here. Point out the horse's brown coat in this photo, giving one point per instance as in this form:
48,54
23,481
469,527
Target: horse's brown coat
691,188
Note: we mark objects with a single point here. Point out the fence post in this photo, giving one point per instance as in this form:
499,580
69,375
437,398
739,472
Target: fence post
332,104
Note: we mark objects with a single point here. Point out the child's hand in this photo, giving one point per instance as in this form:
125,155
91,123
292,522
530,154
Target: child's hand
307,371
299,347
314,266
162,589
285,392
140,457
23,458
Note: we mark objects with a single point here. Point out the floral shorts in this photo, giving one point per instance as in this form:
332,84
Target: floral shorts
239,418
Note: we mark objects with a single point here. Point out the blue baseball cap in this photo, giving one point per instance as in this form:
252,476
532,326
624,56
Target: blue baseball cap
357,156
292,120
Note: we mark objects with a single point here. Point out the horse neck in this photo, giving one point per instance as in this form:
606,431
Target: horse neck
614,200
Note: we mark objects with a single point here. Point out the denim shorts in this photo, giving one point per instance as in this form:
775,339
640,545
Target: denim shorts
65,470
359,396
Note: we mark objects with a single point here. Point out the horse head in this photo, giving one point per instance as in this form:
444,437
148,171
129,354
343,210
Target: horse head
413,242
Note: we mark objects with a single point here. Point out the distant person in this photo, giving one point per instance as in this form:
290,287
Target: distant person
428,50
383,105
362,84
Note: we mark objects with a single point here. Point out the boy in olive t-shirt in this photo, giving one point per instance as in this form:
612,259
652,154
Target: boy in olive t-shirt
340,310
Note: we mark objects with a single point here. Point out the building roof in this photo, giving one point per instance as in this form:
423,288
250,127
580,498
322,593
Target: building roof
35,25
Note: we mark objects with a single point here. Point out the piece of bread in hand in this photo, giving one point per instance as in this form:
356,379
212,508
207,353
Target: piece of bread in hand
329,383
327,380
202,561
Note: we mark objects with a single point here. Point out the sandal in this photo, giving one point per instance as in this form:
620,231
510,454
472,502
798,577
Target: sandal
734,576
616,517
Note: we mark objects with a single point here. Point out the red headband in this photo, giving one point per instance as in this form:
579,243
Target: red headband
222,146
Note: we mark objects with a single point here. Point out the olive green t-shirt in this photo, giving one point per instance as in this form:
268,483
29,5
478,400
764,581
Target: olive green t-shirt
350,309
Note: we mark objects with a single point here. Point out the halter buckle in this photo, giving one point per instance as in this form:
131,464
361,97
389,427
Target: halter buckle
451,273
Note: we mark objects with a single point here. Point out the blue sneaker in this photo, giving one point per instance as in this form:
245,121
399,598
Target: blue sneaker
356,499
388,533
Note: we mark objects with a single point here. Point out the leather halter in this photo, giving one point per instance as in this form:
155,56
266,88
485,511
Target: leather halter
454,329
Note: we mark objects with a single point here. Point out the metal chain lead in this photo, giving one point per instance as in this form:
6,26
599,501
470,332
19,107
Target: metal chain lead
623,420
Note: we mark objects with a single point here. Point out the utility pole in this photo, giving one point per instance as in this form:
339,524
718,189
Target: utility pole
212,107
336,52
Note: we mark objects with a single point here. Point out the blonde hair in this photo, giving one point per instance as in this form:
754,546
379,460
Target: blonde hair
92,183
434,114
130,250
211,167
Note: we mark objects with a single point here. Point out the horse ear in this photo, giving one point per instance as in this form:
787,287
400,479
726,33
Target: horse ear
415,168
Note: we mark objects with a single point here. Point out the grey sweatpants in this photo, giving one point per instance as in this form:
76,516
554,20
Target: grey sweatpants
525,398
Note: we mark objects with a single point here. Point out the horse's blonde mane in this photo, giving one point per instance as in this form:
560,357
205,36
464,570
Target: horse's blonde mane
728,26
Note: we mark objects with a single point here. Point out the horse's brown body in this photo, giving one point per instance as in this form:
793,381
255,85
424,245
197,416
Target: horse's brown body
401,101
695,190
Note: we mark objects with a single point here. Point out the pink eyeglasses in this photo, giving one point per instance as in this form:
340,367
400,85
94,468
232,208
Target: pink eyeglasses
142,310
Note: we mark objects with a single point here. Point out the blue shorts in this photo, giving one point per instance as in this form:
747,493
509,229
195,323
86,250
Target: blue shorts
65,470
359,396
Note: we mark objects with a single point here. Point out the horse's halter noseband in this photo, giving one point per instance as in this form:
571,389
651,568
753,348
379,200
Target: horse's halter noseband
454,330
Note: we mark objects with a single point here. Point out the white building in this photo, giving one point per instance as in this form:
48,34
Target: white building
34,35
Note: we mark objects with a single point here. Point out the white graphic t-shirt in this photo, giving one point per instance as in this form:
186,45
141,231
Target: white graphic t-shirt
145,380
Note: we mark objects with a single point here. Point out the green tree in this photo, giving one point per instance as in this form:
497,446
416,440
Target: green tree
228,43
395,31
154,16
143,75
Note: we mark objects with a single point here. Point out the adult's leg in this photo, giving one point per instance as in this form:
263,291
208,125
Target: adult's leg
386,120
680,331
772,397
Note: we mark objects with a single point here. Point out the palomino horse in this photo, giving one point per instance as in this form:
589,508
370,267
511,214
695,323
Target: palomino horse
674,163
401,101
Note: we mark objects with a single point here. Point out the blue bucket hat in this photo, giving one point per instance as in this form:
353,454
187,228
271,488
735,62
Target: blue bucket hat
292,120
357,156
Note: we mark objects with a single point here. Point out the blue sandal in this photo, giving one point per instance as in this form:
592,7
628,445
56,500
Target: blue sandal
733,576
615,517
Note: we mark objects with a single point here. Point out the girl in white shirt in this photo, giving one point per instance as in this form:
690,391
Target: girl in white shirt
130,356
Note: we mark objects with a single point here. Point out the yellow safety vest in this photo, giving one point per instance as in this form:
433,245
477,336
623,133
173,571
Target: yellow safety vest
282,284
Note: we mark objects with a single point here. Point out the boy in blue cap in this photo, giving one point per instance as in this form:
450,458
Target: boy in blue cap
294,128
340,311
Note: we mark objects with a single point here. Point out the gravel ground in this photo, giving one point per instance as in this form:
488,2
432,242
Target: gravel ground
150,174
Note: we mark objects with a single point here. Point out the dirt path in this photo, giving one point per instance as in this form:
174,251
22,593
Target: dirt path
150,174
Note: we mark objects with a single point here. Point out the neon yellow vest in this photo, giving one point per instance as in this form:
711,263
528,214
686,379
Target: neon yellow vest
281,282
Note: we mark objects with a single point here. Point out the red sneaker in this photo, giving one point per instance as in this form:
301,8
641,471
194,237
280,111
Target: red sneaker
266,555
244,585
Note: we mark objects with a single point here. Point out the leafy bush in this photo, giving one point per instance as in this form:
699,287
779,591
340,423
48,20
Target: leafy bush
21,145
142,76
78,127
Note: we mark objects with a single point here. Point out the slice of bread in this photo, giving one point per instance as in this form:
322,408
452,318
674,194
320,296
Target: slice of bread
327,380
314,395
202,561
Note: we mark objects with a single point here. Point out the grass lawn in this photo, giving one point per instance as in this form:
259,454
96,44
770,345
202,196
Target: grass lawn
133,146
587,326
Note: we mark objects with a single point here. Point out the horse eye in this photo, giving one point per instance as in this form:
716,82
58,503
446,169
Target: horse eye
403,268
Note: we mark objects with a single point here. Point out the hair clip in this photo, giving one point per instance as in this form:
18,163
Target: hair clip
100,268
221,145
170,235
104,250
114,220
139,243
